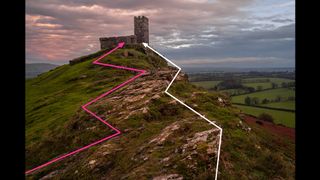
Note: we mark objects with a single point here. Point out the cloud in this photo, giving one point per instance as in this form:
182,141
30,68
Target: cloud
184,30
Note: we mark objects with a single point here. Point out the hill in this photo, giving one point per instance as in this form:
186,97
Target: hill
161,139
34,69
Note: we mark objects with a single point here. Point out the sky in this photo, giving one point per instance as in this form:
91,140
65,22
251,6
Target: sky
192,33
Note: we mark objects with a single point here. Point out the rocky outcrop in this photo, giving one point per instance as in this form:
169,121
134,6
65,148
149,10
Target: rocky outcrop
168,177
165,133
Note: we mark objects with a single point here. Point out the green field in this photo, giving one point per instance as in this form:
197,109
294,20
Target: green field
206,84
265,83
269,94
280,117
284,105
233,91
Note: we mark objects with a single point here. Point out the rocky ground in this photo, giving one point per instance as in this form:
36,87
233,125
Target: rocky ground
160,138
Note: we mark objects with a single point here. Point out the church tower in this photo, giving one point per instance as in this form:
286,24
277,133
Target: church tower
141,29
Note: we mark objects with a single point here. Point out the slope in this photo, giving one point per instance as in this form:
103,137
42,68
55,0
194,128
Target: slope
161,138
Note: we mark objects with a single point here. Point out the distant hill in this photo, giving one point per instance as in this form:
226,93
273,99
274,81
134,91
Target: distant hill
34,69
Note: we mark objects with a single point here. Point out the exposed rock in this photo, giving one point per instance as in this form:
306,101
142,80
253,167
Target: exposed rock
91,128
169,177
125,53
145,158
146,90
173,102
92,162
135,98
182,77
166,132
211,148
50,175
145,110
165,159
202,137
155,97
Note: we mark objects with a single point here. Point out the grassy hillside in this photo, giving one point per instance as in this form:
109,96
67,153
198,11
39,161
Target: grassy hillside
159,136
53,102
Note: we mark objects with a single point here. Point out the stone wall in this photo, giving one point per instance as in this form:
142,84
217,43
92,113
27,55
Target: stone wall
107,42
141,34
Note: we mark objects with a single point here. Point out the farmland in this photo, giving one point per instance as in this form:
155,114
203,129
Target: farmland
273,92
280,117
264,83
269,94
206,84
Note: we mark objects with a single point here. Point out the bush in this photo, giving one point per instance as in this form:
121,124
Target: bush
259,122
265,101
247,100
266,117
229,84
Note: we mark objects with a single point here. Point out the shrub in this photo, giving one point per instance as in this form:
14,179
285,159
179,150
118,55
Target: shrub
266,117
265,101
259,122
247,100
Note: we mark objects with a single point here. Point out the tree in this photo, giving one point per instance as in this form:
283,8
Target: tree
265,101
266,117
274,85
229,84
278,99
247,100
255,101
284,84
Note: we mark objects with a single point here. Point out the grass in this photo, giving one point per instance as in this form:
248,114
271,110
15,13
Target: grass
269,94
206,84
284,105
233,91
53,111
265,83
54,99
280,117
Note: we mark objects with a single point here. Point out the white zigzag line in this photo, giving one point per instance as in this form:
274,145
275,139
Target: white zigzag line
166,91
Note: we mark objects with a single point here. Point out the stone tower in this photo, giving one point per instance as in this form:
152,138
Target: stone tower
141,29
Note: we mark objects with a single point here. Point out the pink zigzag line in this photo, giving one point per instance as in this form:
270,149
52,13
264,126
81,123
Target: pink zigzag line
84,107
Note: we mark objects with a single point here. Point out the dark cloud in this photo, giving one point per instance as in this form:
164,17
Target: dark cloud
215,32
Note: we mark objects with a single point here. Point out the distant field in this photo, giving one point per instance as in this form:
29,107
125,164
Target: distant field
269,94
206,84
233,91
284,105
265,83
280,117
